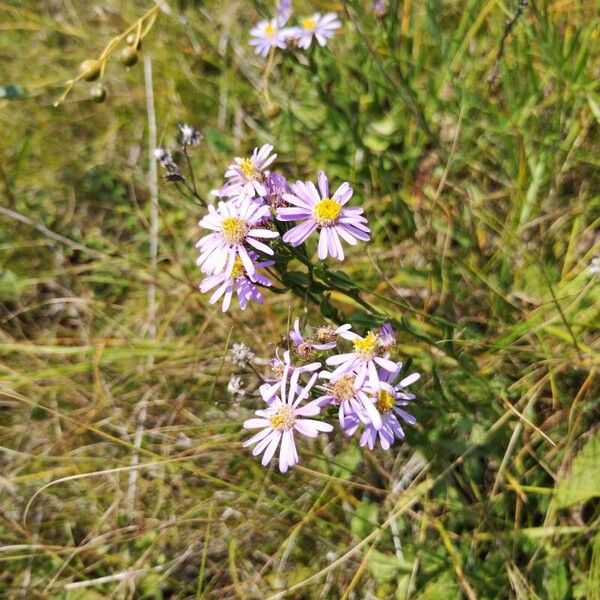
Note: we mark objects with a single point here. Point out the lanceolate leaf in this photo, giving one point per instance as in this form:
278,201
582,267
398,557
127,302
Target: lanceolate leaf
583,481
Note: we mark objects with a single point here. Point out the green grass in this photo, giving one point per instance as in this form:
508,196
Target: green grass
483,199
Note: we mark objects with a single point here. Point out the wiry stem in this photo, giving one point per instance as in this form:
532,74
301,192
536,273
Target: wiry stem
142,406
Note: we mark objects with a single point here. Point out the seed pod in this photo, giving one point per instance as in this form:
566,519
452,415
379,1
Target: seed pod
131,41
128,56
90,70
98,93
272,110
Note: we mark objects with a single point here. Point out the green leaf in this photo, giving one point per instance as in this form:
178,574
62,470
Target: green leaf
583,482
366,320
10,286
557,580
341,280
219,141
329,311
296,279
385,567
347,461
365,519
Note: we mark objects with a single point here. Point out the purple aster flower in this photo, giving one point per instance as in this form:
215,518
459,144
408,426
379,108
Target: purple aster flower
238,282
323,212
267,35
281,419
326,338
387,336
233,226
284,367
363,360
380,8
284,11
247,175
390,398
352,400
320,27
276,186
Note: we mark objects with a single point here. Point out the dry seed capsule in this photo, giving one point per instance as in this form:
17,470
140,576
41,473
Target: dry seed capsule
90,70
130,39
128,56
98,93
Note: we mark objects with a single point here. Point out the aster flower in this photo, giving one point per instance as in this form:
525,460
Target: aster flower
247,175
233,226
320,27
190,136
266,35
363,360
324,212
239,282
283,417
352,400
284,11
327,344
390,398
284,367
276,186
387,336
380,8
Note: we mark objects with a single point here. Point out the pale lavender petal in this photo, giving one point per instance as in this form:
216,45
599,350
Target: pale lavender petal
263,433
410,379
270,451
256,423
323,184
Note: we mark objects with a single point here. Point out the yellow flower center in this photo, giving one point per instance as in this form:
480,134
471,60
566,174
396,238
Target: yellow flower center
343,388
326,212
385,401
270,32
249,171
309,24
234,230
238,268
367,346
284,418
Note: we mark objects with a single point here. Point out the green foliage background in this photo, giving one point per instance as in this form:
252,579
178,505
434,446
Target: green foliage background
484,202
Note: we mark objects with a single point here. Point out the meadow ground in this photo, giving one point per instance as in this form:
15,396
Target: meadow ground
469,130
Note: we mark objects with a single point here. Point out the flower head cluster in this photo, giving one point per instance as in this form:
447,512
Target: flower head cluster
366,388
275,33
238,242
241,227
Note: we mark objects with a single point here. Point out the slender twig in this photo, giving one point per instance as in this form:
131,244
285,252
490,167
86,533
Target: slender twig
142,406
136,28
521,6
12,214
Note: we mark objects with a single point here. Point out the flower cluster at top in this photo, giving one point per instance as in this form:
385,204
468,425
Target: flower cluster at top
275,33
255,208
316,374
